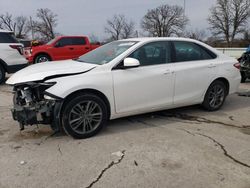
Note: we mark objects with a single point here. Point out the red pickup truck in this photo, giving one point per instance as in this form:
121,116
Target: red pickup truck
60,48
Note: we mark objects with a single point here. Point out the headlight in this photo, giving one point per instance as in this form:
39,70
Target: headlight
49,96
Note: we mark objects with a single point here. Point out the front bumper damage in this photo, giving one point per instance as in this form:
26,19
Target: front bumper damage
32,108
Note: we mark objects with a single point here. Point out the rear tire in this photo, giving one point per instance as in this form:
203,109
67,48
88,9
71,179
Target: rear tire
84,116
215,96
243,77
42,58
2,75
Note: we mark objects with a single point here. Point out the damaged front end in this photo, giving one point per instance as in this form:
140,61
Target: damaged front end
32,105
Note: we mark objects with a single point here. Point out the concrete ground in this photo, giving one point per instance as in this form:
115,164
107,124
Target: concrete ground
185,147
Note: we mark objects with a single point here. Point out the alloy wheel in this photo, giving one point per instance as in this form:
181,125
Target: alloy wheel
85,117
216,96
43,59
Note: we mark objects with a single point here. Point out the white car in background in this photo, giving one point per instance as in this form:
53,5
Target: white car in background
122,78
11,58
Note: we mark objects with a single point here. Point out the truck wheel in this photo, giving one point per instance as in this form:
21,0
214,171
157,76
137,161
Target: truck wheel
2,75
84,116
42,58
243,77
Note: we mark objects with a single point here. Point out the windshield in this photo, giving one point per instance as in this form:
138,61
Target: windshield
106,53
51,41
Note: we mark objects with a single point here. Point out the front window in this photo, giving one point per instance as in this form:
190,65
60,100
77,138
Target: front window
153,53
64,42
106,53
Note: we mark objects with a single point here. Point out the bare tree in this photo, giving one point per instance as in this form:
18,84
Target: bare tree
164,21
229,17
22,26
46,23
119,27
7,22
19,25
196,34
247,36
128,29
93,38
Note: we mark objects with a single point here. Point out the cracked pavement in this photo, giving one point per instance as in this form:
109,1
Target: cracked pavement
185,147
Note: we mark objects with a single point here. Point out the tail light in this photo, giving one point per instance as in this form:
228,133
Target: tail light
237,65
18,48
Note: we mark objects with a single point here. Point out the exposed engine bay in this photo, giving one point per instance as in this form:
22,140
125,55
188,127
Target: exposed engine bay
32,105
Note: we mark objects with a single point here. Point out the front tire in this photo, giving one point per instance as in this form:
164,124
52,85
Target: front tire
42,58
2,75
84,116
215,96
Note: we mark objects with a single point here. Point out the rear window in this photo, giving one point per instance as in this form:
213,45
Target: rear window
188,51
8,38
26,43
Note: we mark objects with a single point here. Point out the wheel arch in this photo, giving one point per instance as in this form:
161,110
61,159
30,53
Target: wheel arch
89,91
4,65
225,81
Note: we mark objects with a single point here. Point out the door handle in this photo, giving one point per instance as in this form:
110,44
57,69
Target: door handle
71,48
168,72
87,48
211,66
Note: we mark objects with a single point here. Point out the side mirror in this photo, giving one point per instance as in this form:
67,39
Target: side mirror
130,62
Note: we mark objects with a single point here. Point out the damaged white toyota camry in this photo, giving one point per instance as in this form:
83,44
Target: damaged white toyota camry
122,78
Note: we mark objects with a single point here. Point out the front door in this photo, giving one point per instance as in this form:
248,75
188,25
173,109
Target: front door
149,86
63,49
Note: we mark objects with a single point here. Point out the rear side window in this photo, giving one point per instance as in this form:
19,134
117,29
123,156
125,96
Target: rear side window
188,51
78,41
8,38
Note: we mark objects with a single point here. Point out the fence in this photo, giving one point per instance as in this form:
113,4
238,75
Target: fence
233,52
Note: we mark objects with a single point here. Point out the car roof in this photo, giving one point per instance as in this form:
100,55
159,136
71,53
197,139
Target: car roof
148,39
5,31
155,39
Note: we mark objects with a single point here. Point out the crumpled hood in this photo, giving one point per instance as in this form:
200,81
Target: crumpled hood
45,70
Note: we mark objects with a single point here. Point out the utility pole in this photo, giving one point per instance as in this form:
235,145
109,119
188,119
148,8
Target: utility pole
32,30
136,33
184,7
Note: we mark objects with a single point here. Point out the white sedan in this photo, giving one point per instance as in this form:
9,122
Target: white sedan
122,78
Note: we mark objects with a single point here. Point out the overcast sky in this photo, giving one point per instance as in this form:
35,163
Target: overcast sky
76,17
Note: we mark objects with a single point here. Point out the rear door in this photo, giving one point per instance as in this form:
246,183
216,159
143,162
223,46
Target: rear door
80,46
11,50
194,67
